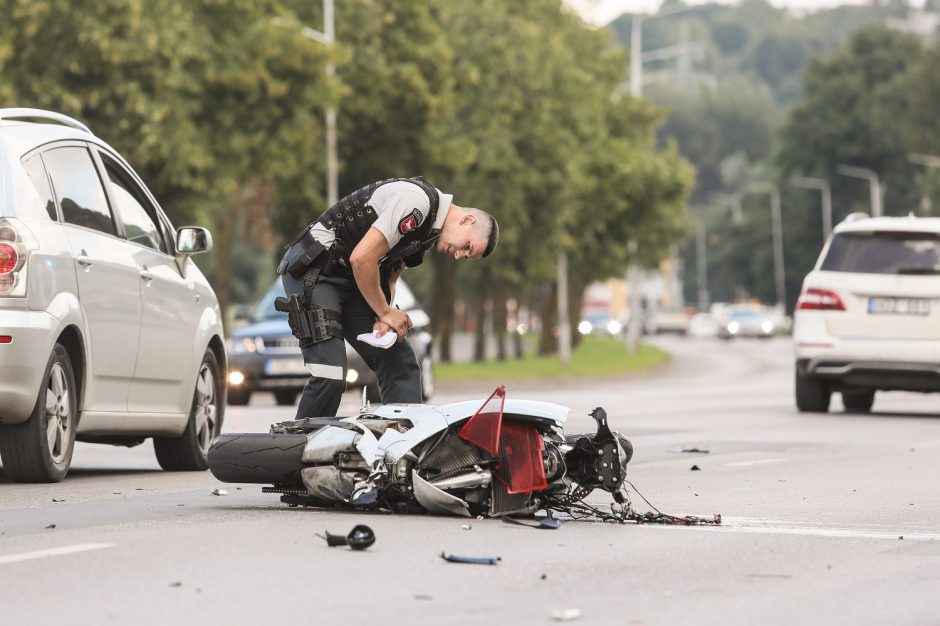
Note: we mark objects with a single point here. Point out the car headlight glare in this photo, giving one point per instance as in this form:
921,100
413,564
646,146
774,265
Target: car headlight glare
242,345
767,326
235,377
352,376
585,328
614,327
734,327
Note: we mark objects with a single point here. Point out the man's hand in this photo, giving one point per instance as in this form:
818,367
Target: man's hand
381,328
396,321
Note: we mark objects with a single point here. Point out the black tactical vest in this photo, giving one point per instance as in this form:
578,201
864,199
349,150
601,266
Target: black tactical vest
352,216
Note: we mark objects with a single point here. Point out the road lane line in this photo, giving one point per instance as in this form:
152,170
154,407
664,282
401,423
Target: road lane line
760,462
40,554
732,525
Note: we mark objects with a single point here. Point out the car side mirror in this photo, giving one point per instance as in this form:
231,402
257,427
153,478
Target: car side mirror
192,240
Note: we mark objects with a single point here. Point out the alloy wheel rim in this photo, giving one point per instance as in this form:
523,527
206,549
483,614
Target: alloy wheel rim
205,407
58,414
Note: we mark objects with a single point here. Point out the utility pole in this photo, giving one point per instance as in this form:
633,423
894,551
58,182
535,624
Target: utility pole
701,266
635,324
930,161
874,185
328,39
822,185
776,224
564,324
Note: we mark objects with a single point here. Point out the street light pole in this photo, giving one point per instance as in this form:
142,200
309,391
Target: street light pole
874,185
776,224
328,39
930,161
822,185
701,266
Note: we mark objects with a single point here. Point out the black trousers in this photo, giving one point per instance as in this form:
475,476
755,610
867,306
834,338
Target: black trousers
396,368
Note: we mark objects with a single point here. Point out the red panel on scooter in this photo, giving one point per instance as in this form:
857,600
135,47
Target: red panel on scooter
520,458
482,430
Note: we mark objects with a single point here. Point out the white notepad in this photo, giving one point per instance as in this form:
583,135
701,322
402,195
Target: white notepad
385,341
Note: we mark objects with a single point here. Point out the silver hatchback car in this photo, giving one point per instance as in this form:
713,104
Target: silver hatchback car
109,333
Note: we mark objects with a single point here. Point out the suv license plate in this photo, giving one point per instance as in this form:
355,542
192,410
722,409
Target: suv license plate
898,306
285,367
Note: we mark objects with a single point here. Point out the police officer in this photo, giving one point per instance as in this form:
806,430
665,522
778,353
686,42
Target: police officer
340,276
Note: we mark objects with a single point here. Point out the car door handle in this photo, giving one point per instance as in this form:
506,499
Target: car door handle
146,275
84,261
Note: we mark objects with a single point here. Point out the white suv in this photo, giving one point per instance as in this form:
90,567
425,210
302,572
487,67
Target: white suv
109,333
868,318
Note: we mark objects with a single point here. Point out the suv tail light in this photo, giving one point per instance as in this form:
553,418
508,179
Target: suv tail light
820,300
16,242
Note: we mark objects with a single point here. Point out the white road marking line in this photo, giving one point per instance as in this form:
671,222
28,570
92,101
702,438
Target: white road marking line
760,462
826,532
40,554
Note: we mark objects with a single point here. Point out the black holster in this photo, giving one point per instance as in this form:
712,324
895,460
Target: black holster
309,323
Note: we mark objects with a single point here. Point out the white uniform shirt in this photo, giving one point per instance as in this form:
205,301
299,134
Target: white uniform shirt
400,208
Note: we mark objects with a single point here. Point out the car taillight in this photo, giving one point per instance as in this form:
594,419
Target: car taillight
16,242
820,300
8,258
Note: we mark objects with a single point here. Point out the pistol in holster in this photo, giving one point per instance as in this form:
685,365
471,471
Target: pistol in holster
309,323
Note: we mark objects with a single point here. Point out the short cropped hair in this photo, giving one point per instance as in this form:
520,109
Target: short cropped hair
487,226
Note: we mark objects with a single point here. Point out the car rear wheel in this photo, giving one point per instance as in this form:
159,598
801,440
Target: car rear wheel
812,394
40,449
188,451
858,400
285,398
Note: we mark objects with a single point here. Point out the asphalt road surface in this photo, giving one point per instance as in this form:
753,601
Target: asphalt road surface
828,519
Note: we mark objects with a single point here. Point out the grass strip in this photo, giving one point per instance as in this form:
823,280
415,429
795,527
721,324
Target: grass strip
595,356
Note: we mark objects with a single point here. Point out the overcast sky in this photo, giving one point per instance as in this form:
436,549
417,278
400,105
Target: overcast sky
602,11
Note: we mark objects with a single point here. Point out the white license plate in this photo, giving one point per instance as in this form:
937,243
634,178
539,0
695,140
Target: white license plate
285,367
898,306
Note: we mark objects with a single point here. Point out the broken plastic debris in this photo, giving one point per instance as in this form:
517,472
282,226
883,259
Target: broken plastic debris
690,450
546,523
566,615
56,500
695,468
219,492
474,560
359,538
53,526
467,526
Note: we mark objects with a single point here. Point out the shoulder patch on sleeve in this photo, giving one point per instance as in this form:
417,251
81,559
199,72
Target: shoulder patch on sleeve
410,222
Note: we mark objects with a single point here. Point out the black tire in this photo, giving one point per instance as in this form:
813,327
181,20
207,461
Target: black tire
812,394
858,400
188,451
239,396
427,377
285,398
40,449
373,394
261,458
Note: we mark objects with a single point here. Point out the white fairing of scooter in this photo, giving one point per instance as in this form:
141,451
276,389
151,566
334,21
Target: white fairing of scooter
425,421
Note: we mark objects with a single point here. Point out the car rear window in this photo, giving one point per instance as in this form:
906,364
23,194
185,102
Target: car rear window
884,253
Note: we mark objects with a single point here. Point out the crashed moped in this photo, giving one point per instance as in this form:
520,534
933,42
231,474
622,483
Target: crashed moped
494,458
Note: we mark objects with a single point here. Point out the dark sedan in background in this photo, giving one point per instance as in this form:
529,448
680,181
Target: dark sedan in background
265,356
